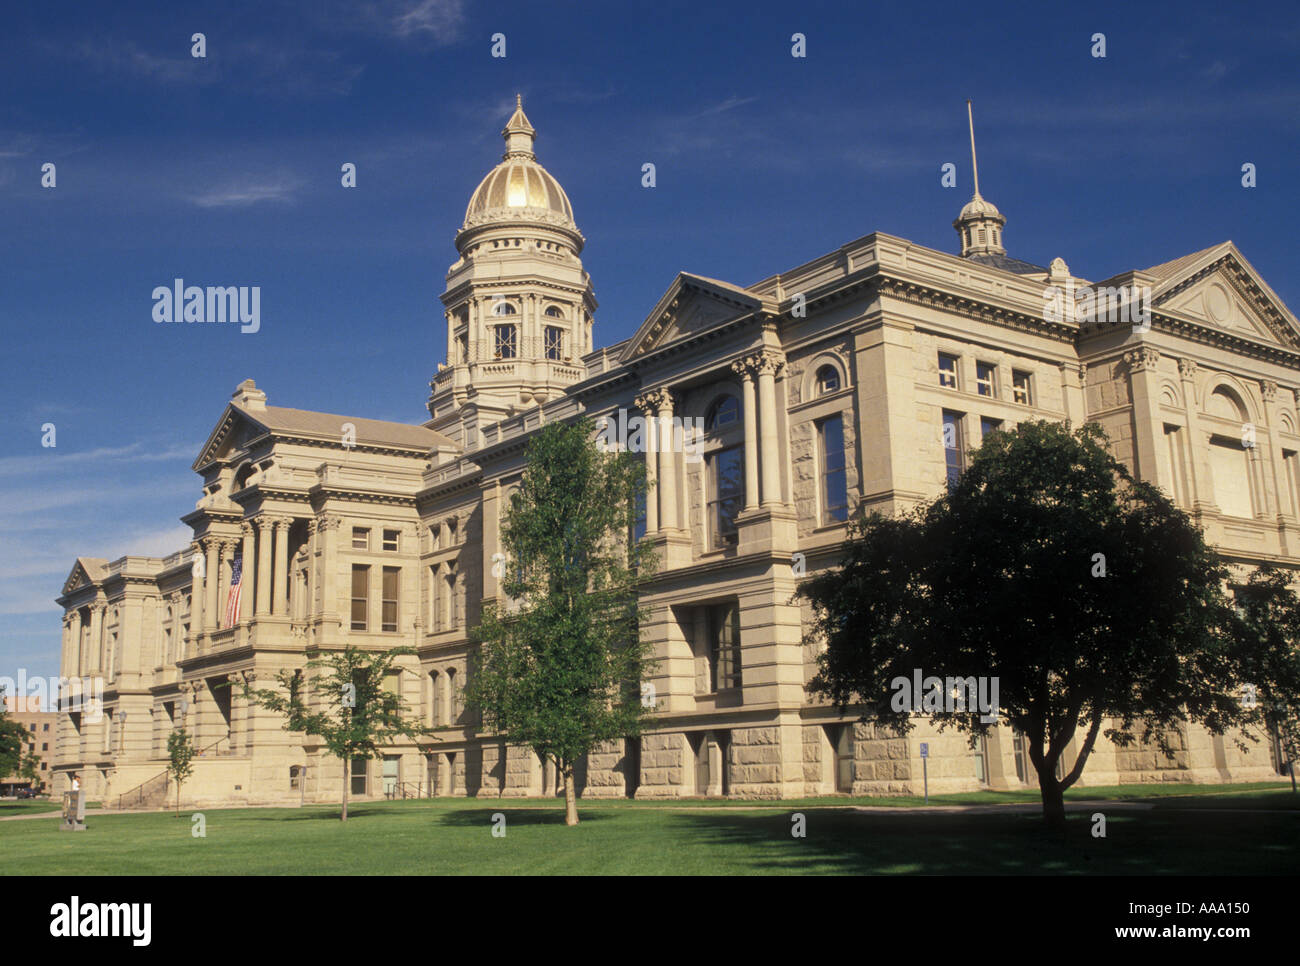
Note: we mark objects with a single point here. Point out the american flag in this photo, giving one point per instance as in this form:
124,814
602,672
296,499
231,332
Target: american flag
236,584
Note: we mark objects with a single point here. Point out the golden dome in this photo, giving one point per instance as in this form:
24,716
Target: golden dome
519,189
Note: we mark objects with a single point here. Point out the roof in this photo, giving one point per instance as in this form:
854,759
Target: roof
1169,269
304,422
1008,264
95,567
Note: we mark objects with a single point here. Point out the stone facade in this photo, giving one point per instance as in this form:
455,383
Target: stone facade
822,390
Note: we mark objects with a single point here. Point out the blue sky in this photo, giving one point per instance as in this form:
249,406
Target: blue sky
225,171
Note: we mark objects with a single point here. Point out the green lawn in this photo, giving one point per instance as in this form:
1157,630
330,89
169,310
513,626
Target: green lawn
453,836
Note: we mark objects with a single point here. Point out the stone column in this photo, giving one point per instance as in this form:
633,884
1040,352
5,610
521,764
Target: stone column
669,498
224,569
647,404
1272,459
73,665
281,591
742,368
249,576
265,528
768,365
198,590
1072,377
1196,476
1148,449
96,629
211,577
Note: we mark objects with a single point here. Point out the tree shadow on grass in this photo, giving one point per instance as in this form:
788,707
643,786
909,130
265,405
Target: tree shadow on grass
881,843
478,817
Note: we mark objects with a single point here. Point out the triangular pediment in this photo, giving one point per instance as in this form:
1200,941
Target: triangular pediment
1220,289
84,574
692,304
233,432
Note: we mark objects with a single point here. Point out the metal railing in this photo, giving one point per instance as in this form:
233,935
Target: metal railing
142,794
404,790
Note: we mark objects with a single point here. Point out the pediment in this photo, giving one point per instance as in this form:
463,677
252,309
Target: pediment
691,304
81,575
1224,292
233,433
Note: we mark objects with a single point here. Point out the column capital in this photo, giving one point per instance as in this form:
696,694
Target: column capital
768,360
328,521
655,401
1269,390
1187,368
1143,359
246,528
742,368
97,607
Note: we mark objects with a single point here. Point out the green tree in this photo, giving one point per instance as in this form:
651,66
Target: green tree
559,662
180,760
343,700
1092,600
13,741
1268,612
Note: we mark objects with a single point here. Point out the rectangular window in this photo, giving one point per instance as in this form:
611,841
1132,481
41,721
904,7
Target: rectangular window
554,338
639,525
360,596
947,371
835,498
359,775
988,425
724,645
392,580
505,344
390,540
360,538
985,379
462,347
1021,391
952,446
727,480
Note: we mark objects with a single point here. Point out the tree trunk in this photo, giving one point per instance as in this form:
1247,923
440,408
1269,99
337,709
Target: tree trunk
570,796
178,799
1053,797
346,779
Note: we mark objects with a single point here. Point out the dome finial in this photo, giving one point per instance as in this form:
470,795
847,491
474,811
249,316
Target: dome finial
979,226
519,134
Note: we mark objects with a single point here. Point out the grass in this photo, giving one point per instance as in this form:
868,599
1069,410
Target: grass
454,837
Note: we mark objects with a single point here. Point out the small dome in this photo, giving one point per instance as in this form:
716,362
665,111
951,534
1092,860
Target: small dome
978,207
519,189
516,184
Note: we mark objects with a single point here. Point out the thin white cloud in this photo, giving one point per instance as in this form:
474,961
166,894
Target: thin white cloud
278,191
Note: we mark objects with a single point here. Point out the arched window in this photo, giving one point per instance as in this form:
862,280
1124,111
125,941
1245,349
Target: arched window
1224,404
554,312
722,413
435,698
503,307
451,704
828,380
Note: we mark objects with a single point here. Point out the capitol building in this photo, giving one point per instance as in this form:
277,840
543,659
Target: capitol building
861,380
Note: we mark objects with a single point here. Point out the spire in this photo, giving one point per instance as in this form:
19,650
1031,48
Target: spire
979,226
519,134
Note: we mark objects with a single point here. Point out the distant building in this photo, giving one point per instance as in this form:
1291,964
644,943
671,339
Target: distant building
860,380
42,731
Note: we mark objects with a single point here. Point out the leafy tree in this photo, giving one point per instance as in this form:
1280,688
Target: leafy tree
180,755
346,704
30,768
1269,639
13,741
559,663
1087,594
